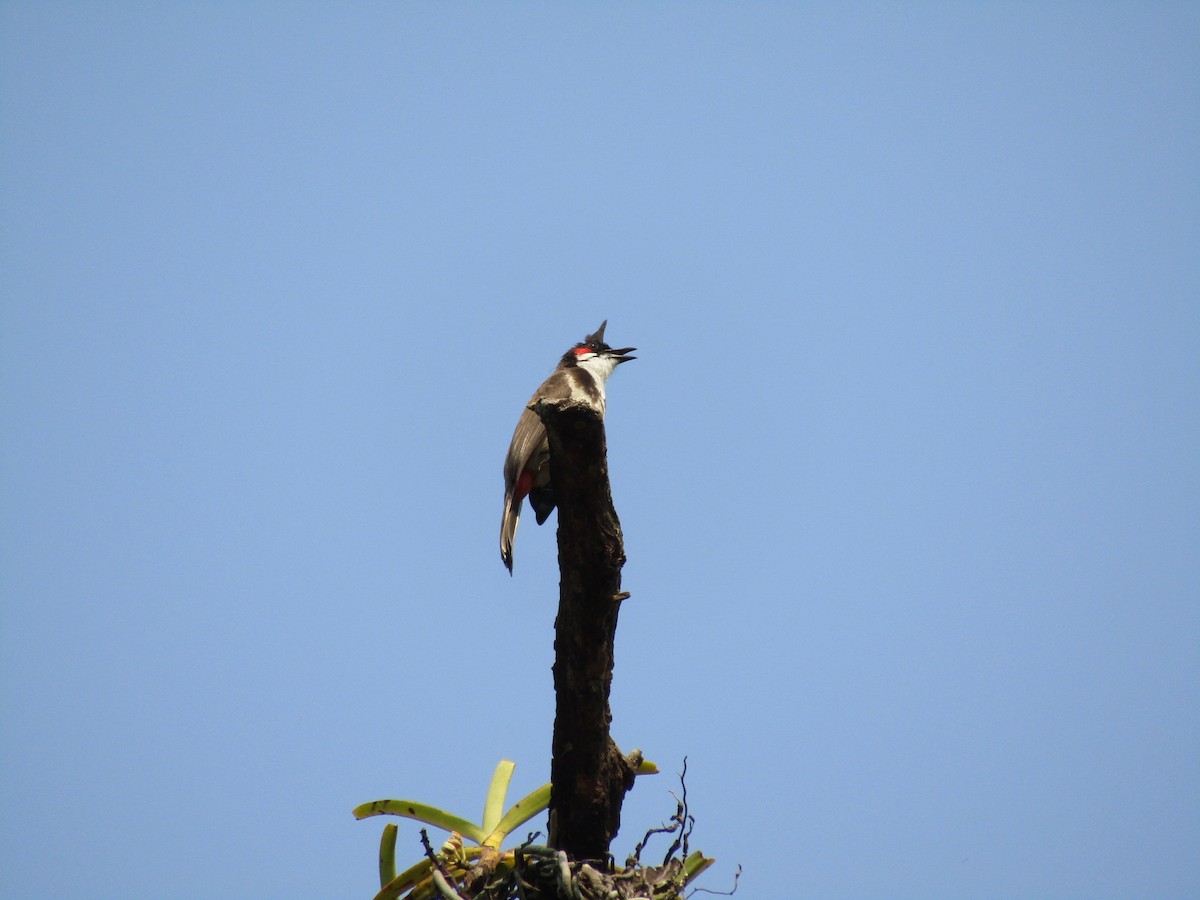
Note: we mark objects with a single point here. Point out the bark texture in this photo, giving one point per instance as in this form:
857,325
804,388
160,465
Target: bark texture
588,772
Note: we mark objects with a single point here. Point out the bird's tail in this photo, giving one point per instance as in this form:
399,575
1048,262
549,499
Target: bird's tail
508,529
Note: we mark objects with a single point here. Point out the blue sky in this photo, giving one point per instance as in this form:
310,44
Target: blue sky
908,465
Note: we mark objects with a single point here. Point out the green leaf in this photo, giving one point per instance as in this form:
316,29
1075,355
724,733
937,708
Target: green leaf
696,863
493,807
518,814
387,854
532,804
407,880
422,812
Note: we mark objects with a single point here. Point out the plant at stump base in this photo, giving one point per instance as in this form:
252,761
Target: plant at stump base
530,871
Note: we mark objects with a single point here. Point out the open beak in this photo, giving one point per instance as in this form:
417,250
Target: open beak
622,355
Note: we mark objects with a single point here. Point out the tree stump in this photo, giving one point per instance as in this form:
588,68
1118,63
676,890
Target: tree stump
588,773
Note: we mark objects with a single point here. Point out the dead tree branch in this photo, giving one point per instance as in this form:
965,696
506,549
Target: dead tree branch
588,772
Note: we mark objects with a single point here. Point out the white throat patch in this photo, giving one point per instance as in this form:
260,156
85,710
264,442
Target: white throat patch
599,367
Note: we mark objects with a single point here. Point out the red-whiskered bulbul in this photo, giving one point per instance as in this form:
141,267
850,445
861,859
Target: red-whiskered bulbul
583,369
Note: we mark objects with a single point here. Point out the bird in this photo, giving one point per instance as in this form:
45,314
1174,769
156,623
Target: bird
584,369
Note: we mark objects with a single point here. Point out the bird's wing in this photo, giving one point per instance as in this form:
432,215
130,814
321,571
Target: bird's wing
527,437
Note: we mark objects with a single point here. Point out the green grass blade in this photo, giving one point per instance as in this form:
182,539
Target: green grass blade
493,807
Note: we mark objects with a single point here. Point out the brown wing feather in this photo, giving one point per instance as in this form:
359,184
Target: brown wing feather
527,438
